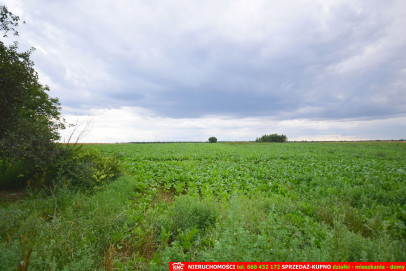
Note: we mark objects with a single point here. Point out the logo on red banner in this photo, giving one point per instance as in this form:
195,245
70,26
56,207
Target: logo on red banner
177,266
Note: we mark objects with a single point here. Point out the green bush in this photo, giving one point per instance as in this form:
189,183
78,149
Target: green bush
77,168
13,176
85,169
212,139
272,138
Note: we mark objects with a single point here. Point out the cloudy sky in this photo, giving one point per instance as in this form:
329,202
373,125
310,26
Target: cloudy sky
174,70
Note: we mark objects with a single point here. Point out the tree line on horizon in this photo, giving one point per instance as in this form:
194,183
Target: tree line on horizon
265,138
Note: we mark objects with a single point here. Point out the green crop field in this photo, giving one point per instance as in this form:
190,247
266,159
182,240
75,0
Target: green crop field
220,202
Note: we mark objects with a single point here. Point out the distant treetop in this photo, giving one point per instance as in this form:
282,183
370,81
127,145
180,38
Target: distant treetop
272,138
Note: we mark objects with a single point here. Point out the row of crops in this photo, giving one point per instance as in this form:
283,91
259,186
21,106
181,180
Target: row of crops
217,202
264,202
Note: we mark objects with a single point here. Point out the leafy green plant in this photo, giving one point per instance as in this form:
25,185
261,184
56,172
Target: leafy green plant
86,169
190,213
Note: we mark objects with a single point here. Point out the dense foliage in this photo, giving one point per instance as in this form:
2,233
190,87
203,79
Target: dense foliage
30,121
29,118
272,138
212,139
220,202
84,169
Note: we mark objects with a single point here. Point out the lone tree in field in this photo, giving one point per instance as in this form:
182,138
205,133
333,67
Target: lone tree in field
272,138
212,139
29,118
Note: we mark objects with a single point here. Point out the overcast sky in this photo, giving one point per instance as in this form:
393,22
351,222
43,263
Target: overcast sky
174,70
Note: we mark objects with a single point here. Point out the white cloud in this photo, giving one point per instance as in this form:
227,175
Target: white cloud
129,124
185,70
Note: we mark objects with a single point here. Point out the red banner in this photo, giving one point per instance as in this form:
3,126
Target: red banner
175,266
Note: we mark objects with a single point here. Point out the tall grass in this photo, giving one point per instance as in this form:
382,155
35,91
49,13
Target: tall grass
66,231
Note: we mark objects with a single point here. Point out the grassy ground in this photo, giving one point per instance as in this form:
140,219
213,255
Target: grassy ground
218,202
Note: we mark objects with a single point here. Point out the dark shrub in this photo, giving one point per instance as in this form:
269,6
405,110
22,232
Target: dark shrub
272,138
85,169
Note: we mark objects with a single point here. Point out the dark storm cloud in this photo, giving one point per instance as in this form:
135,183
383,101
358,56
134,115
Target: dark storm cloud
314,60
